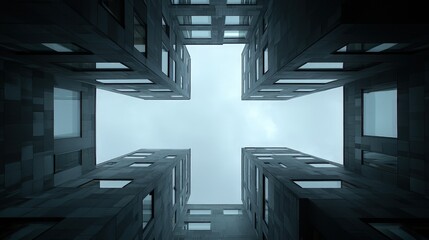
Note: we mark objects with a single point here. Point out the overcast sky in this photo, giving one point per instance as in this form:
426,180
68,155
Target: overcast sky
216,124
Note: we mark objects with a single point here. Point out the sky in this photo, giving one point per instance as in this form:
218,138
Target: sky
215,124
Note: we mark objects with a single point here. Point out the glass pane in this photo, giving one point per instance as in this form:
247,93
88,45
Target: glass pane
198,226
197,34
322,165
232,212
139,35
165,60
241,2
305,81
319,184
322,65
67,110
379,160
235,34
147,209
199,212
380,113
266,66
237,20
141,164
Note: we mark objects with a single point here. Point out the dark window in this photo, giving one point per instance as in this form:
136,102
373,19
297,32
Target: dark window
140,31
165,27
379,160
148,212
116,8
266,200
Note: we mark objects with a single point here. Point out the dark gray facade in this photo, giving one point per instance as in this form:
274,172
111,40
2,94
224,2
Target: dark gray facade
214,221
342,205
91,207
297,48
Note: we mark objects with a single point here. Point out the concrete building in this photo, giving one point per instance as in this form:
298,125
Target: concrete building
136,196
297,48
214,221
292,195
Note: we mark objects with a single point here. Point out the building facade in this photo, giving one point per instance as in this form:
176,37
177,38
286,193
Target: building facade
136,196
292,195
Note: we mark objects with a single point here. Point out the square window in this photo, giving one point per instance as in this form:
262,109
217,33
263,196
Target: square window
319,183
232,212
67,113
200,212
237,20
197,226
138,164
322,165
104,183
380,113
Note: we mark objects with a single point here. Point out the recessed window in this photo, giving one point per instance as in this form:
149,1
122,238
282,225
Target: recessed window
194,20
146,96
319,183
305,90
160,90
257,69
288,154
371,47
380,161
174,71
262,154
305,81
232,212
304,158
197,34
407,229
165,26
190,1
322,165
266,200
380,113
138,164
139,35
134,157
235,34
115,8
282,165
322,65
165,60
48,48
200,212
197,226
240,1
285,96
237,20
265,158
126,90
173,179
148,212
256,179
170,157
270,90
176,96
99,66
142,153
255,96
124,81
107,183
265,60
67,113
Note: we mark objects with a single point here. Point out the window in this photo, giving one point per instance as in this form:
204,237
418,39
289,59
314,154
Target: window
67,111
174,71
265,158
288,154
181,175
173,178
142,154
305,81
235,34
147,209
262,154
170,156
305,90
199,212
197,34
322,165
181,82
181,52
124,81
44,48
190,1
257,179
139,35
320,183
257,69
266,200
237,20
116,8
130,90
160,90
165,60
411,229
371,47
380,113
197,226
165,27
102,183
271,90
282,165
304,158
265,22
97,66
240,1
265,60
141,164
323,65
232,212
380,161
194,20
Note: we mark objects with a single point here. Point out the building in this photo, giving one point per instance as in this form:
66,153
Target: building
292,195
136,196
214,221
297,48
